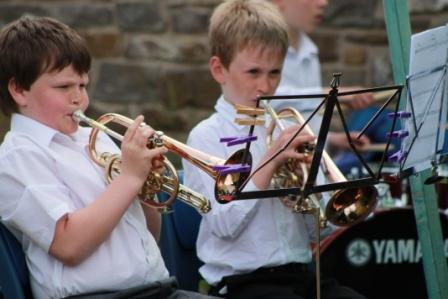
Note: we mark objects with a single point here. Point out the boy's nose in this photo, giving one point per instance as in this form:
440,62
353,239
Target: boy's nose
76,100
264,86
76,97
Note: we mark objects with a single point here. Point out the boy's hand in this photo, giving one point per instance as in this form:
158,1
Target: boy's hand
263,177
292,151
137,159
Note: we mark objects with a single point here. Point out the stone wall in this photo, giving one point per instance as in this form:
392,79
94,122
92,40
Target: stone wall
150,56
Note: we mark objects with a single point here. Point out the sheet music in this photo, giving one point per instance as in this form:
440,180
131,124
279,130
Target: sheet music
427,93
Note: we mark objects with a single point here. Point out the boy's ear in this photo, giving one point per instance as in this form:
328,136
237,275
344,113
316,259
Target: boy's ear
217,69
17,93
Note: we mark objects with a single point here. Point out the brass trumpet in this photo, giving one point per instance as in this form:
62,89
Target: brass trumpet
165,180
345,207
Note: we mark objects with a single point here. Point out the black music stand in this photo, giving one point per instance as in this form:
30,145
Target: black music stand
331,101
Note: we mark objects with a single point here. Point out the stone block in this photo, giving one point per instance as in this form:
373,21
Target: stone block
380,67
9,11
190,20
127,83
174,120
83,15
103,44
369,38
328,45
355,55
141,16
189,87
350,76
346,13
180,49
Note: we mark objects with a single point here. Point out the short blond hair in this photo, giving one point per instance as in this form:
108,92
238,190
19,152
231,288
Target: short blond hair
237,24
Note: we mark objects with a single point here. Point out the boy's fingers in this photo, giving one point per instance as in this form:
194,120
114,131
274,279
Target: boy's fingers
157,163
146,132
157,152
130,132
301,139
302,157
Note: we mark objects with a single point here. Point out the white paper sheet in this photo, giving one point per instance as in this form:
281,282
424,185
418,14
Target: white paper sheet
427,94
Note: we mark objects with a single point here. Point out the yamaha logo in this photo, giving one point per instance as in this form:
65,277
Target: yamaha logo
358,252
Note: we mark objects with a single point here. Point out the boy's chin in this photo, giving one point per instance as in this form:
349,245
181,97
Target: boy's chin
70,130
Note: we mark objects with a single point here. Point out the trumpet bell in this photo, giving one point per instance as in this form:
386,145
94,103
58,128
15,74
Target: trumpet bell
350,206
345,207
226,184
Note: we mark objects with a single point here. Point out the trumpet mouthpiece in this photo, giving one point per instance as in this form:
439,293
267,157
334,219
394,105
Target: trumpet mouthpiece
78,115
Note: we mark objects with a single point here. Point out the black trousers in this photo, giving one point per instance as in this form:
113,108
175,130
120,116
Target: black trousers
166,289
291,281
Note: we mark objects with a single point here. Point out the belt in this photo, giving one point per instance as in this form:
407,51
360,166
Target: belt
287,268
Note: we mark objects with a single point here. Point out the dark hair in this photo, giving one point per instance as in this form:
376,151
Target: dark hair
31,46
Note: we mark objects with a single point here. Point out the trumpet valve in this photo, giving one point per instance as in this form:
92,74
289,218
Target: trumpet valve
307,148
156,140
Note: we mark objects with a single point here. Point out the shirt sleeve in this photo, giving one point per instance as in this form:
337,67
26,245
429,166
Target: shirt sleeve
226,221
33,197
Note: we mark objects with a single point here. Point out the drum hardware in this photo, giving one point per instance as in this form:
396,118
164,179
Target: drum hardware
439,174
379,257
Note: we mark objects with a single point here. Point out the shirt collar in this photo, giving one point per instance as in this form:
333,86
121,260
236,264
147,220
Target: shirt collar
307,48
226,109
41,133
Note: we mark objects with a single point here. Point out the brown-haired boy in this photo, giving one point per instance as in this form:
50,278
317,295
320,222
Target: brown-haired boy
251,248
79,234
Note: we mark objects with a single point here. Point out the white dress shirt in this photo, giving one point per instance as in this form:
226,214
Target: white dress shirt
242,235
44,175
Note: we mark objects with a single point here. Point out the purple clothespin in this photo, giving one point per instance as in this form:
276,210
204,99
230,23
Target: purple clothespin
238,140
397,156
231,168
399,114
398,134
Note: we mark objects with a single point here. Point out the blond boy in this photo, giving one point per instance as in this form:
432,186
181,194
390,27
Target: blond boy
251,248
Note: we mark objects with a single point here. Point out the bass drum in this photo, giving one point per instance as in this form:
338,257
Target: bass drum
380,257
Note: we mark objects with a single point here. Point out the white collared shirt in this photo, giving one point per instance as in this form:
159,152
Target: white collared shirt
243,235
44,175
301,75
301,68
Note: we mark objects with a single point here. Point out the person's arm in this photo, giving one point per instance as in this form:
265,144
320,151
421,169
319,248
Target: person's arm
355,101
78,234
338,141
